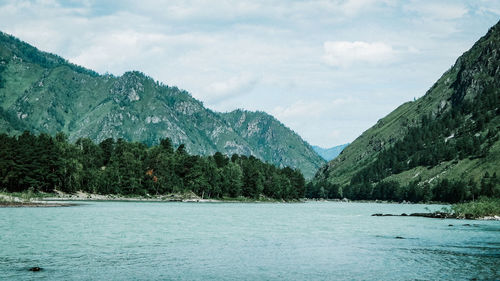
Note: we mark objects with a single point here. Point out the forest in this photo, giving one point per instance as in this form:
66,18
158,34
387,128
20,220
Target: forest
42,163
445,190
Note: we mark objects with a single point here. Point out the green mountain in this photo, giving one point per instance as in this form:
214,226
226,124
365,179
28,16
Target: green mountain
451,134
42,92
329,153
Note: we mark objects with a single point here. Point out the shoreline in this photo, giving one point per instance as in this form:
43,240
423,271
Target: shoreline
35,204
345,200
10,201
61,199
45,199
174,197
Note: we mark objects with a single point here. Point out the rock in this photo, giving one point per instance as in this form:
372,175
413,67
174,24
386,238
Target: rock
399,237
404,215
36,268
466,224
377,215
450,225
437,215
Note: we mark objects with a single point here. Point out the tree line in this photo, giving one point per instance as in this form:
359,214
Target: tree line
45,163
445,190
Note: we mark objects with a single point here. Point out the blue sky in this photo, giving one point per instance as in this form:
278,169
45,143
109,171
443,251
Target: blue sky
327,69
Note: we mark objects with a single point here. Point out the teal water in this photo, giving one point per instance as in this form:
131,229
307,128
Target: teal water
230,241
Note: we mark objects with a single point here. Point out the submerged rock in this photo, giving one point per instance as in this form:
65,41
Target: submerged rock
383,215
437,215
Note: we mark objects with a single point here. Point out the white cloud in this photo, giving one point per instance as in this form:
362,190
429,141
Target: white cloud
353,7
488,6
231,88
345,53
438,10
311,108
271,56
333,134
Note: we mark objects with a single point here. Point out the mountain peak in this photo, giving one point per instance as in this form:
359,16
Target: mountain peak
449,133
43,92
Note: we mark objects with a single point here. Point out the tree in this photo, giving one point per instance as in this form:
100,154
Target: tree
232,180
166,144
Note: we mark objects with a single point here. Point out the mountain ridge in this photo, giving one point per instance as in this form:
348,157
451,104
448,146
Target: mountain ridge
459,118
42,92
329,153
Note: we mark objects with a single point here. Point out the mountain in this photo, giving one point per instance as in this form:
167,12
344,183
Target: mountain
42,92
451,134
329,153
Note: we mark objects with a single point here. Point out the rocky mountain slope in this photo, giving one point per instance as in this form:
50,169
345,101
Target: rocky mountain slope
42,92
452,132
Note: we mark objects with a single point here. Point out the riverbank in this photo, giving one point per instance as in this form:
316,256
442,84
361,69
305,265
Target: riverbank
346,200
34,204
22,199
484,208
7,201
481,209
84,196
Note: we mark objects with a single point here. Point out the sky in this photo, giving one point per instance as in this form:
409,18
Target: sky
326,69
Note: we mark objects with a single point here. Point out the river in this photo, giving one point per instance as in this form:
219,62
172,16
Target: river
243,241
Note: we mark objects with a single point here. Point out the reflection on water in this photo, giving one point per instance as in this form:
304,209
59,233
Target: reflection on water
312,241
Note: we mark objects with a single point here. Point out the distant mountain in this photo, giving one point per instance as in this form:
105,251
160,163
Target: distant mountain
329,153
42,92
451,133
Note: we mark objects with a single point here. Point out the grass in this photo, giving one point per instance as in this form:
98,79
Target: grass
484,207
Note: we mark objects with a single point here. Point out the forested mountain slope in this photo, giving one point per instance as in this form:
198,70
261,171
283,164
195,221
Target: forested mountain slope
444,143
42,92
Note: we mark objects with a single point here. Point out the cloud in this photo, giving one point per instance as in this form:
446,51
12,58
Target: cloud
273,56
333,134
438,10
231,88
345,53
311,108
488,6
353,7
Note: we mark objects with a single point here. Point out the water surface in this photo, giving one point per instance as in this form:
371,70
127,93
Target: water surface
247,241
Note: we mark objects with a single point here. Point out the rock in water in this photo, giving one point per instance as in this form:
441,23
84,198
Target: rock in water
36,268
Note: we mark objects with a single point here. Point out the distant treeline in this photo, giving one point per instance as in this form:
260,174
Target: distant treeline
44,163
444,190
